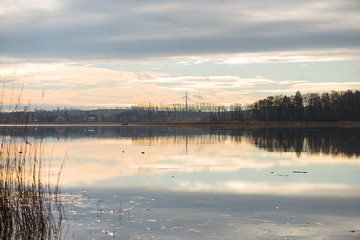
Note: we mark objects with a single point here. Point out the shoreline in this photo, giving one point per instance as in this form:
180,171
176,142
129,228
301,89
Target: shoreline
258,124
227,124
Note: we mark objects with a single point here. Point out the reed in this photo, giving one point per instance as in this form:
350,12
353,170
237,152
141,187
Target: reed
30,205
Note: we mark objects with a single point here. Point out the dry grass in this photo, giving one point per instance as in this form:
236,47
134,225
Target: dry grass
30,206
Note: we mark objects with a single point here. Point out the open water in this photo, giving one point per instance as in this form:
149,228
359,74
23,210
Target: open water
137,182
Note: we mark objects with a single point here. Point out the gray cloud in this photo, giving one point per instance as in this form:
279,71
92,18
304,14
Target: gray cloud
80,29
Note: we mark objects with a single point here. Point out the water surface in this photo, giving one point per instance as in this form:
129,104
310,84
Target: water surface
135,182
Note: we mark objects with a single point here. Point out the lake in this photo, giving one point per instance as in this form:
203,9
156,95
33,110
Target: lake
138,182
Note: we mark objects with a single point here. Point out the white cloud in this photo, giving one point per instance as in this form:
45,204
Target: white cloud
213,89
44,75
326,86
76,85
292,82
21,7
204,82
294,56
87,85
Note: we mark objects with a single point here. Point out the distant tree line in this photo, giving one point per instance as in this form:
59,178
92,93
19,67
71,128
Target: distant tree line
56,116
199,112
333,106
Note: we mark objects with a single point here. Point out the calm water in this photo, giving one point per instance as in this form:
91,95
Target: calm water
137,182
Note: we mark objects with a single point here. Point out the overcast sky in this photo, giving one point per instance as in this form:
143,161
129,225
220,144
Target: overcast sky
120,52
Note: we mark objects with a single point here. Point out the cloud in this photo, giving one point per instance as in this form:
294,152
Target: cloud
43,75
211,89
202,83
9,7
292,56
325,86
76,85
141,29
86,85
291,82
291,87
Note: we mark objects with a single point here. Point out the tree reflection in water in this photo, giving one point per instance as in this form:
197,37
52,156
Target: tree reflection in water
332,141
314,140
30,207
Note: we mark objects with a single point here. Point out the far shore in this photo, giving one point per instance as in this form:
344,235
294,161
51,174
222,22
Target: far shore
228,124
259,124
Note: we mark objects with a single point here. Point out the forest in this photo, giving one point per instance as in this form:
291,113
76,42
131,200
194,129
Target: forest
331,106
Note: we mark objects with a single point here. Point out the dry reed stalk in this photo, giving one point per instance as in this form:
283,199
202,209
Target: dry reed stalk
30,207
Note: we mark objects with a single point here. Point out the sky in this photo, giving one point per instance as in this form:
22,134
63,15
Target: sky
113,53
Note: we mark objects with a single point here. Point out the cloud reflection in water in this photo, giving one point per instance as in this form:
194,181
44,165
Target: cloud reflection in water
209,162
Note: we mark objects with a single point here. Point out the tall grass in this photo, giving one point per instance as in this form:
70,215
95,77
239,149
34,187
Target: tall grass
30,204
